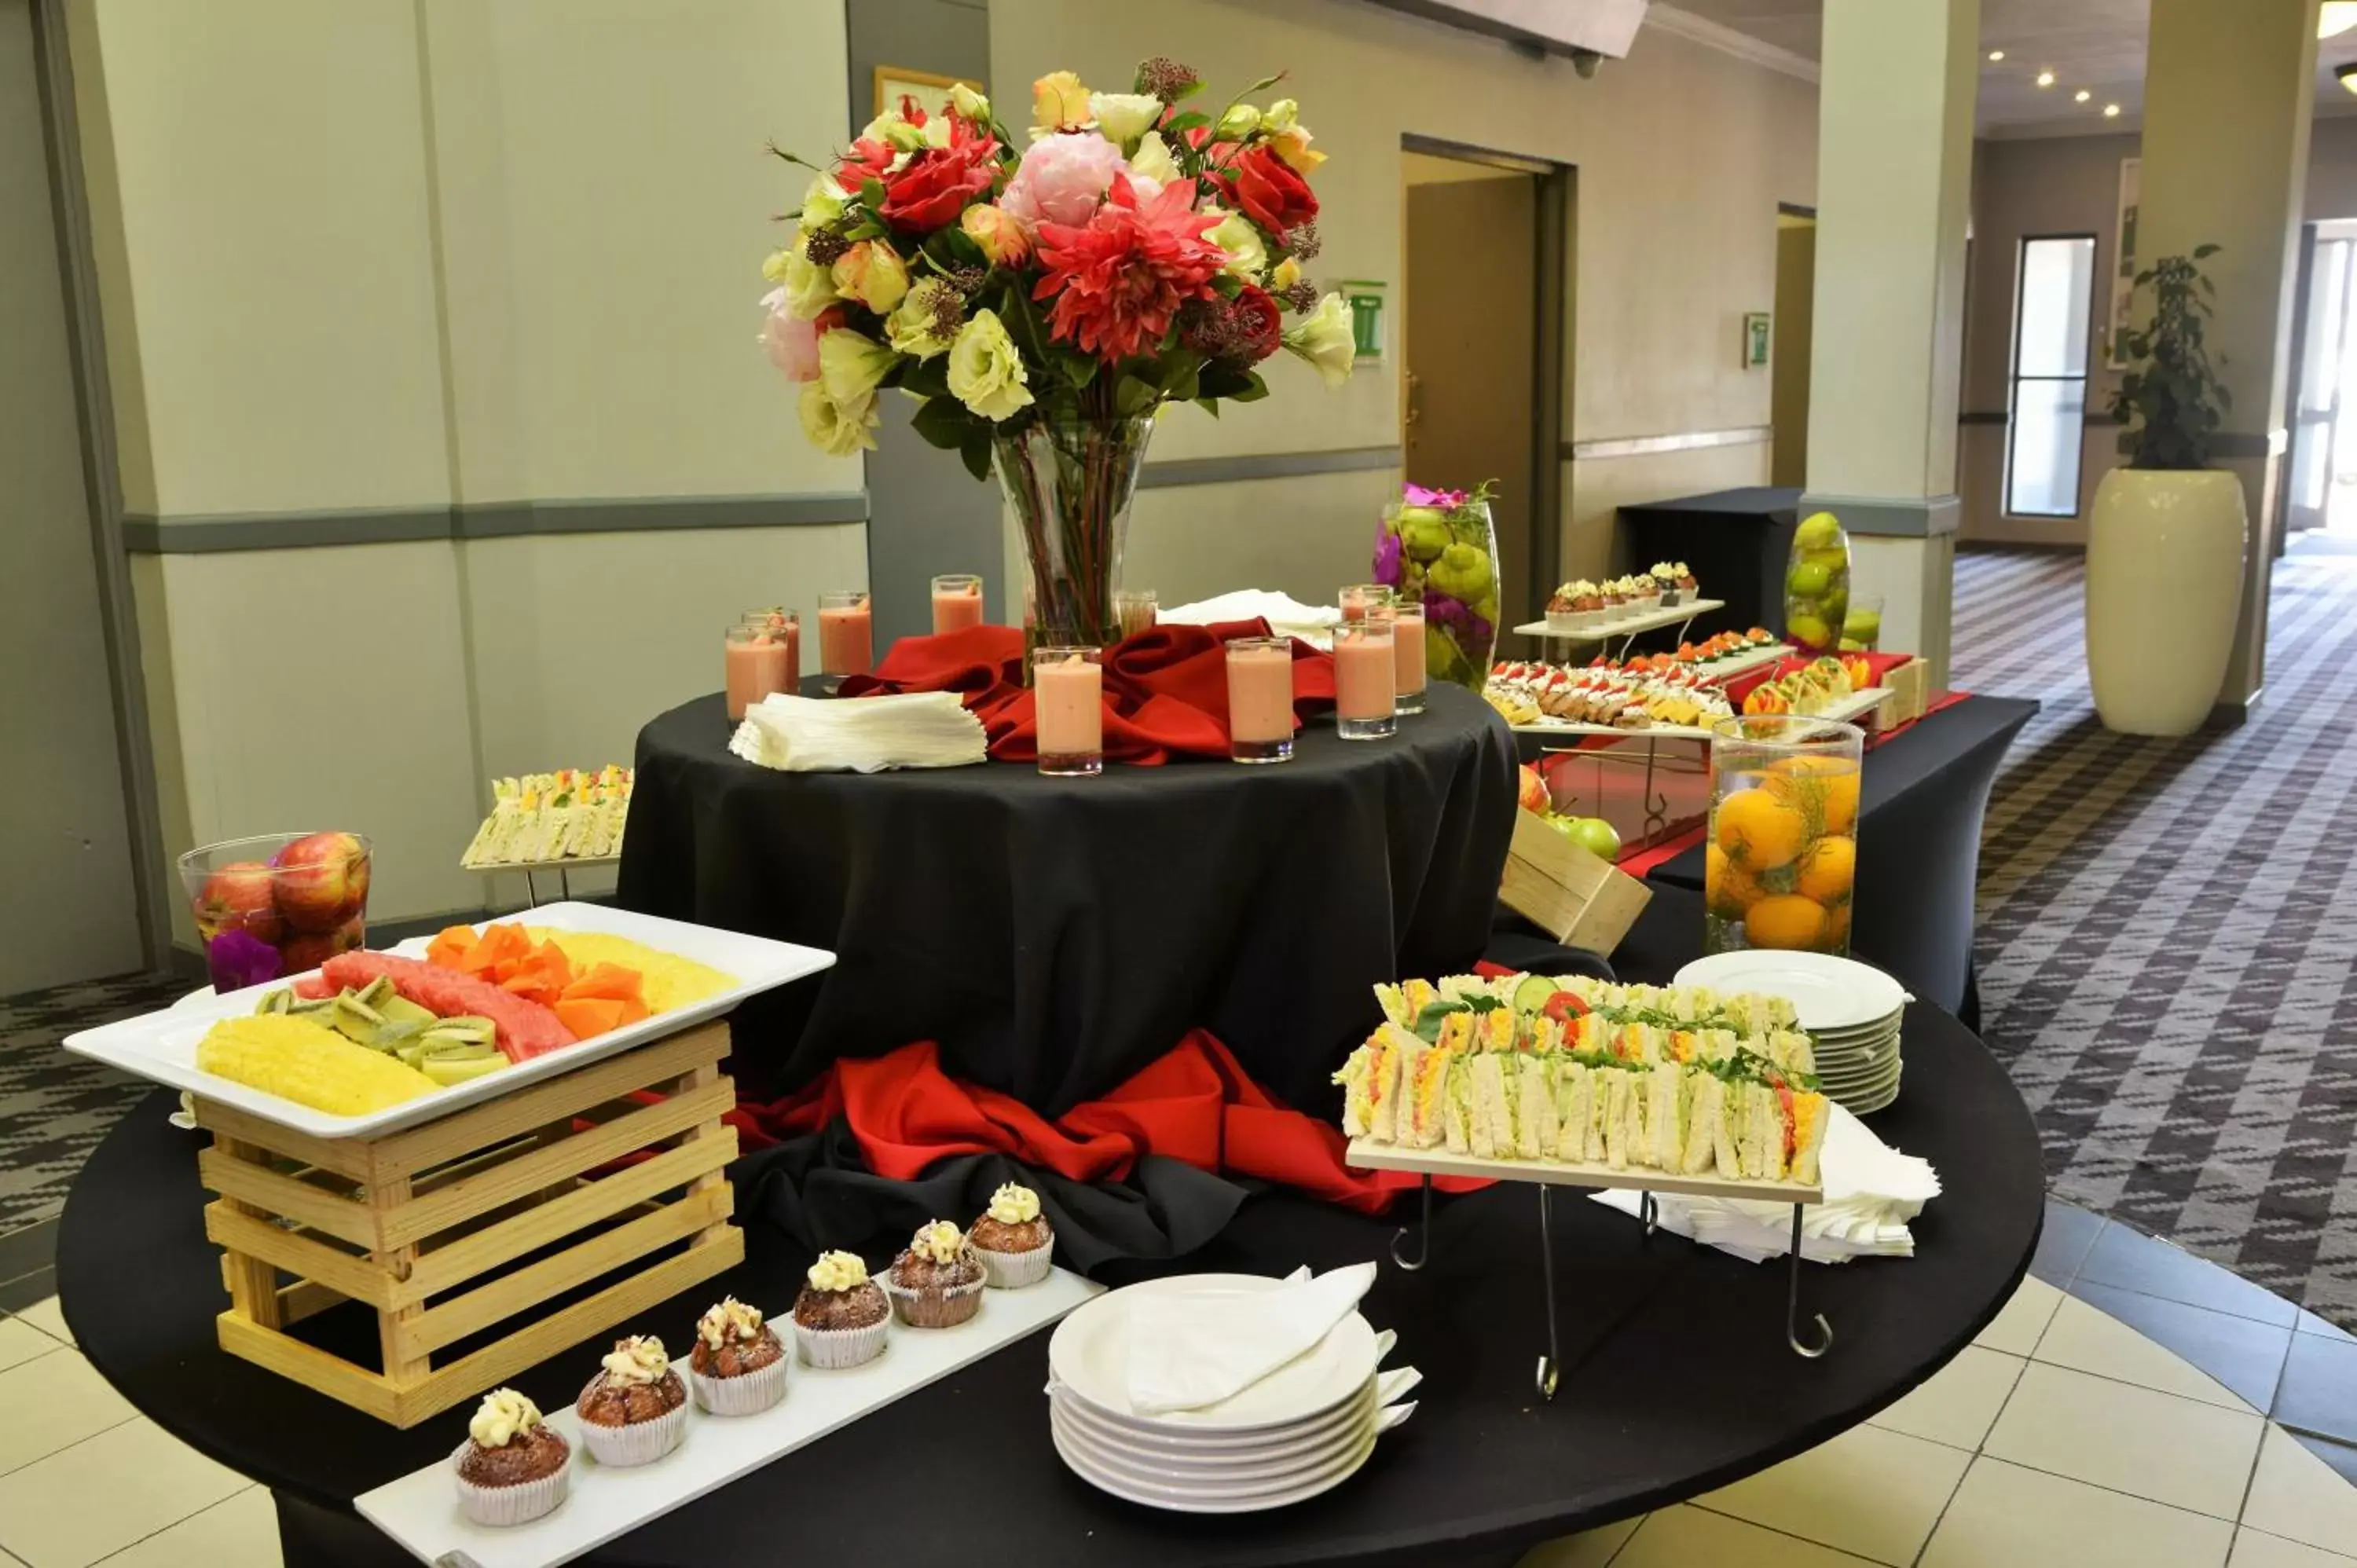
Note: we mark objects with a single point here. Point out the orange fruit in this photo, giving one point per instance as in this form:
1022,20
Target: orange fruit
1759,831
1828,871
1829,784
1785,920
1727,887
1837,926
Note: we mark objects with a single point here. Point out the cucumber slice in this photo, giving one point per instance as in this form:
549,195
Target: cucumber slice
1530,995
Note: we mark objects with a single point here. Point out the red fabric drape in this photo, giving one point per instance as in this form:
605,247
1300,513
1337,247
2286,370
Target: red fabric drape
1166,689
1194,1104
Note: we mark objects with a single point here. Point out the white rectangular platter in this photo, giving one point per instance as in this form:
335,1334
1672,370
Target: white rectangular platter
1847,708
420,1510
1366,1155
1623,625
162,1046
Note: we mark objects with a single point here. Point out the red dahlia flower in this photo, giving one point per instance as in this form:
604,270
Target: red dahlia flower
1119,278
1263,188
939,182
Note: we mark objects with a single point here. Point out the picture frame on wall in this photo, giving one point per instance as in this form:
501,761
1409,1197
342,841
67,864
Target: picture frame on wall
1758,328
930,88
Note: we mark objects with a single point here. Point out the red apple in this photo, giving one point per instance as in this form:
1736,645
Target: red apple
237,897
1533,794
322,880
299,955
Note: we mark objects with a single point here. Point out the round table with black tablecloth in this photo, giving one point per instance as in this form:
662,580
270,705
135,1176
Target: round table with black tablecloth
1676,1376
1056,934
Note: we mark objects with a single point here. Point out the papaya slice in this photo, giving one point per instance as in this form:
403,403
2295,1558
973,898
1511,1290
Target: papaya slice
589,1015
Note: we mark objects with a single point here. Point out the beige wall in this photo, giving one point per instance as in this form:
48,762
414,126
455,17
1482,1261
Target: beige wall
1682,156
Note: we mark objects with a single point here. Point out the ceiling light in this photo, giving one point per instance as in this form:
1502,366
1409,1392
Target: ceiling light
2348,77
2111,111
2335,17
2045,79
2081,96
1996,55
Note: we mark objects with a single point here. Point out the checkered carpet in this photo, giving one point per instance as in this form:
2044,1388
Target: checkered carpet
54,1106
2168,967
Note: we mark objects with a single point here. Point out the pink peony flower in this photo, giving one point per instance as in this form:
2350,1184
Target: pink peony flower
1062,179
792,342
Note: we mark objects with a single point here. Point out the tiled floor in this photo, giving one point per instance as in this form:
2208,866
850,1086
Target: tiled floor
2114,1413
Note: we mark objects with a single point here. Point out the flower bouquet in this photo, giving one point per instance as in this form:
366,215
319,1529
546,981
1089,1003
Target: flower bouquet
1439,547
1043,298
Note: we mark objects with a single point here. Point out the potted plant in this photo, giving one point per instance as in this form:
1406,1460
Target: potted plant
2165,548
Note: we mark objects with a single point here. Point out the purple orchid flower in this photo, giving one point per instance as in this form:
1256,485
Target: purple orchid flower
1387,559
239,959
1417,495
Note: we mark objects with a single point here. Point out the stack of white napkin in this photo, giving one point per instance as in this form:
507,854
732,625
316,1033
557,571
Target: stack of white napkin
1188,1350
910,729
1287,617
1871,1192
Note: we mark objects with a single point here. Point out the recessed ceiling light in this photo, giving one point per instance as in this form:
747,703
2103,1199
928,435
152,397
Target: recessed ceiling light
2111,111
2347,75
2336,17
2081,96
1999,54
2045,79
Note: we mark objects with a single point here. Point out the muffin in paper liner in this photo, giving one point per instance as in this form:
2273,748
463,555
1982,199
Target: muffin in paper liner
1013,1271
943,1307
499,1507
636,1442
747,1393
832,1349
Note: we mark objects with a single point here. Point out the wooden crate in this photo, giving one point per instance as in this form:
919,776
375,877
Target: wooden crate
426,1225
1911,689
1580,899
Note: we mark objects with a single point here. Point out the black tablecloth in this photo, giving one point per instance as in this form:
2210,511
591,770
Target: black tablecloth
1056,934
1921,797
1677,1379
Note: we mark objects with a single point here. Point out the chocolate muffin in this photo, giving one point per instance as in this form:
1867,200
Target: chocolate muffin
512,1468
738,1366
937,1282
1014,1240
841,1317
635,1410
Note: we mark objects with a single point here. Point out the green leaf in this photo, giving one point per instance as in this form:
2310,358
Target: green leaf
1225,380
927,378
2204,252
1179,124
871,193
944,422
1209,405
1133,396
976,451
1079,368
1256,388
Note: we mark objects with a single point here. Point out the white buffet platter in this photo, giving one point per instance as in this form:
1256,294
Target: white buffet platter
420,1510
1627,625
162,1046
1853,706
1365,1153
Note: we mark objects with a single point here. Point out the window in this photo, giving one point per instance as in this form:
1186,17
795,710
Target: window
2049,404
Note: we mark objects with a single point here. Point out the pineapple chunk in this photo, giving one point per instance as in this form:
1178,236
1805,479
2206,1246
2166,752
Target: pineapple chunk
311,1065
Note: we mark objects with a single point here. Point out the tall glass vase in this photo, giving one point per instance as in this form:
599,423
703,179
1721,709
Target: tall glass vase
1443,555
1068,483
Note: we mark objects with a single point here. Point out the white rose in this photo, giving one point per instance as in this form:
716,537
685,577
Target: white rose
1153,159
1123,117
1235,234
1324,338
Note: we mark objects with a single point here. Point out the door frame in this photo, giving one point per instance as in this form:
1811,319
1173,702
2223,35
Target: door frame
1551,315
102,480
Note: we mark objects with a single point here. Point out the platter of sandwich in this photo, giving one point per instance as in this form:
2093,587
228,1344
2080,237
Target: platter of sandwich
1582,1082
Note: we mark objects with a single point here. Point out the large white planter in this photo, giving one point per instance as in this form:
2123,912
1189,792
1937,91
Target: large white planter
2164,588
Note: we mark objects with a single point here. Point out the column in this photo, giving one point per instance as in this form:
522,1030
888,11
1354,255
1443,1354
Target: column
1894,173
2229,91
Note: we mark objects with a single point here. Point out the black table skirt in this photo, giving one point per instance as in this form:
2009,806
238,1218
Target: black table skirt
1677,1379
1921,797
1056,934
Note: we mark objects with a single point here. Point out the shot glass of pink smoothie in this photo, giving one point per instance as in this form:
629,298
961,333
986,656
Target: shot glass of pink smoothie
957,602
1260,699
1068,702
1360,598
765,657
1366,678
1407,652
846,634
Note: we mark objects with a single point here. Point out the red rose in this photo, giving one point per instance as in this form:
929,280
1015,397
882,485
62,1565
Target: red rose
940,182
867,159
1257,328
1263,188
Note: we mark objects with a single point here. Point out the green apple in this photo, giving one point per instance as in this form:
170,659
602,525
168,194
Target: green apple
1807,580
1808,631
1599,837
1817,529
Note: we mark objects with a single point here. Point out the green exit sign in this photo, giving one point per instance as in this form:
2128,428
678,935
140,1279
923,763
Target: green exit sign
1365,298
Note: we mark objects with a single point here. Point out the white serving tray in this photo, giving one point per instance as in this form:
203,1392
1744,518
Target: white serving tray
1627,625
162,1046
1366,1155
420,1510
1854,705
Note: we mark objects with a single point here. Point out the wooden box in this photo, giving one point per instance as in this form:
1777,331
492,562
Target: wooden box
1576,897
427,1225
1910,694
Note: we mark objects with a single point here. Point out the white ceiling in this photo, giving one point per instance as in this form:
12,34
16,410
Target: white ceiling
2094,45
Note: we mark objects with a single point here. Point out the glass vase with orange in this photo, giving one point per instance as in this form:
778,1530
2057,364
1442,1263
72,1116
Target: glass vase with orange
1781,864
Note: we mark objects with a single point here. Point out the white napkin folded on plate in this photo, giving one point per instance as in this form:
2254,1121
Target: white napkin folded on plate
1286,615
908,729
1189,1349
1871,1192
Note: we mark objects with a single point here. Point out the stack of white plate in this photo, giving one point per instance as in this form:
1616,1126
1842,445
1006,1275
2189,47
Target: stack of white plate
1303,1430
1850,1010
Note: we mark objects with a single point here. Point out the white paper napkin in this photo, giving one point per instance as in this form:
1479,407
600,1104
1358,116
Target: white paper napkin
1871,1192
1286,615
1188,1350
908,729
